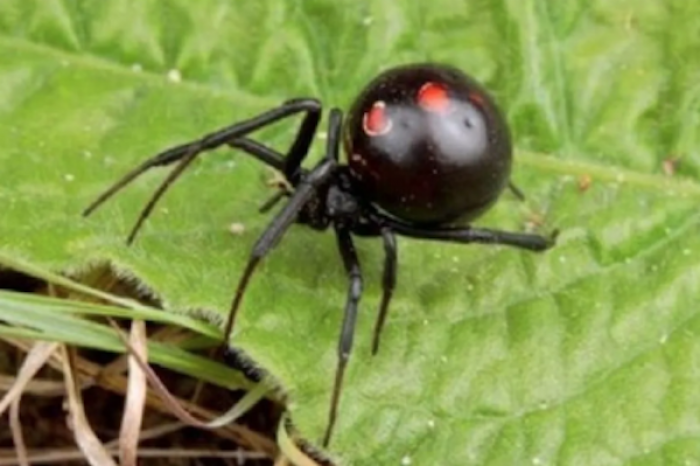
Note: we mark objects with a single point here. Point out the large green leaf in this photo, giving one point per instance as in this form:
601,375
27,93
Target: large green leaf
588,354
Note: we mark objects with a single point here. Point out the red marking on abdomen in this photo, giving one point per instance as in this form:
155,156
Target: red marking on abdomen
433,96
375,121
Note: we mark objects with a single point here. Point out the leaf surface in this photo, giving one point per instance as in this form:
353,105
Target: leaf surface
588,354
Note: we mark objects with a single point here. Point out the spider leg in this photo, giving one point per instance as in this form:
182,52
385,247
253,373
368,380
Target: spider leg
388,284
531,242
186,153
289,165
273,200
276,229
261,152
300,147
517,192
305,191
347,332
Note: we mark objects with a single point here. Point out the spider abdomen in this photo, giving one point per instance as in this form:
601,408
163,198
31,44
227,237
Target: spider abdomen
428,145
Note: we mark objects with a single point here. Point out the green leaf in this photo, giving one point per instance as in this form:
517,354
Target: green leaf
588,354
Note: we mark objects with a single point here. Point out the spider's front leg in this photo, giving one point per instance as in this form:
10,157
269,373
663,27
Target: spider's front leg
290,163
186,153
305,190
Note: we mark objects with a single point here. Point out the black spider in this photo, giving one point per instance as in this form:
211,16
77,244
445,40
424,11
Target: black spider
427,152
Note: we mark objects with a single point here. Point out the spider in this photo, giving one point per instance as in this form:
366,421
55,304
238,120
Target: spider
427,151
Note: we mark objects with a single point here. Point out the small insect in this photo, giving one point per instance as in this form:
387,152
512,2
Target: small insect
427,151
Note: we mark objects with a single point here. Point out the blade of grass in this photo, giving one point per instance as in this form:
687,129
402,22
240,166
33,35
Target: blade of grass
44,323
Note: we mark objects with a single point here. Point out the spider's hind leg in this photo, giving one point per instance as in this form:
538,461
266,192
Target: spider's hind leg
517,192
388,284
347,332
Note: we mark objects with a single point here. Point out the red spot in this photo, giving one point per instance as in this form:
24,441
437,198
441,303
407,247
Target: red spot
433,97
375,121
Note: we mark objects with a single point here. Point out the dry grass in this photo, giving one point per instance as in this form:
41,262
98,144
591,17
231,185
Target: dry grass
73,406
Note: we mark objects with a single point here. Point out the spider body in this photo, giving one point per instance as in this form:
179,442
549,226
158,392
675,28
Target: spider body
427,145
427,151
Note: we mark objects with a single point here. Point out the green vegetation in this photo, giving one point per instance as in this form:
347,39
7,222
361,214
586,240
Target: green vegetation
586,355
